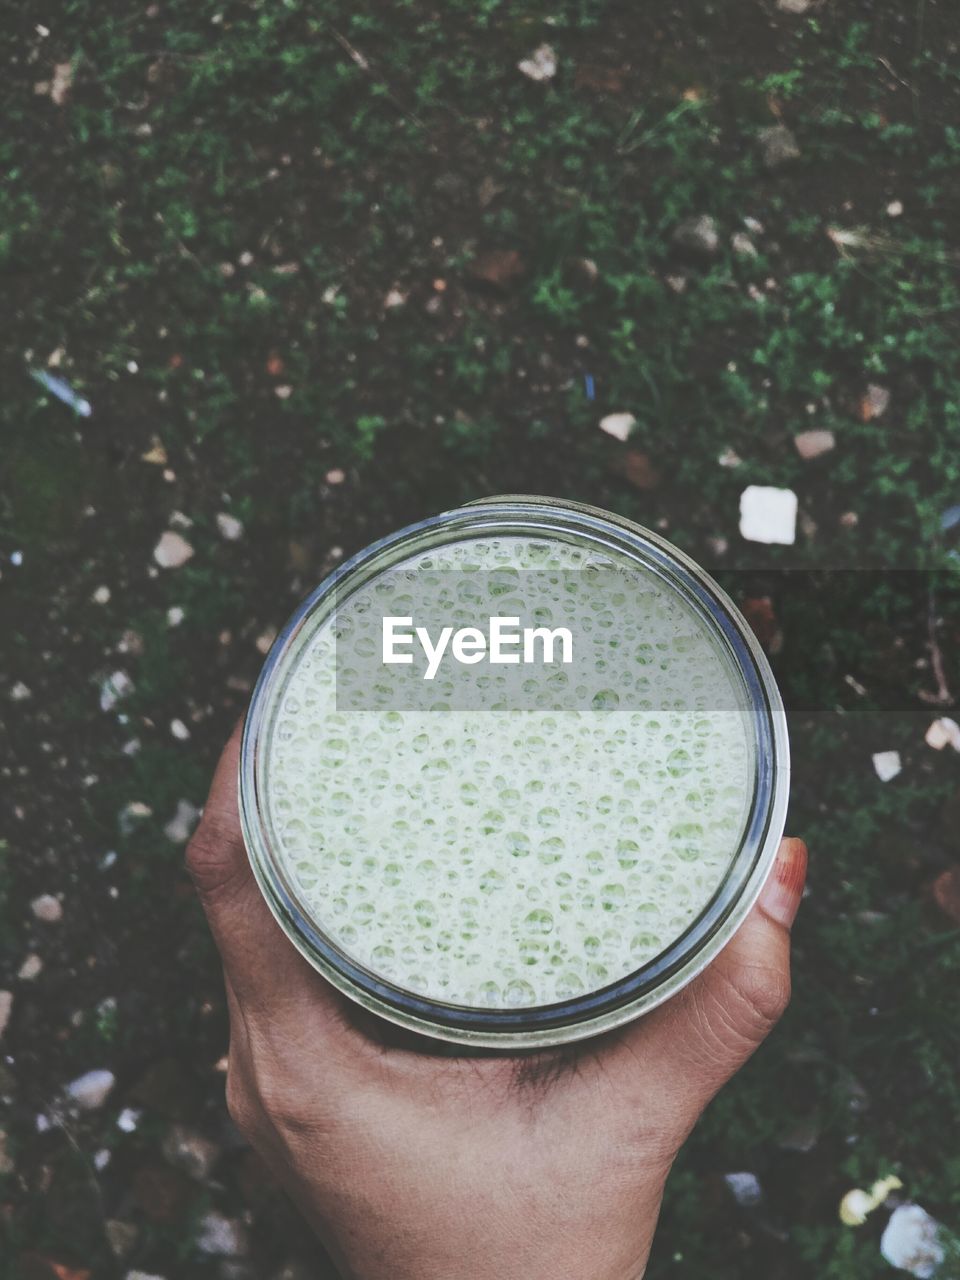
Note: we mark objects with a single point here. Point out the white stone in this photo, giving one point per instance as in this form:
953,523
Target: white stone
894,208
101,1159
101,595
47,908
179,730
395,298
172,551
745,1188
886,764
942,733
283,392
230,527
89,1092
768,515
812,444
175,616
6,1008
180,827
131,814
31,968
911,1241
128,1119
741,243
793,6
221,1236
143,1275
336,476
618,425
876,401
541,65
730,458
116,686
20,692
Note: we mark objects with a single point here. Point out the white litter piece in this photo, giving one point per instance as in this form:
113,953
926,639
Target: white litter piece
911,1241
618,425
768,515
886,764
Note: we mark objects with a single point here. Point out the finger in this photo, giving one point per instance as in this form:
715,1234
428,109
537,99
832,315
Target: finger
694,1043
264,970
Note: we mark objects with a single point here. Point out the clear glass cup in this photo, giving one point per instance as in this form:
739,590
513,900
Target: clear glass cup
687,955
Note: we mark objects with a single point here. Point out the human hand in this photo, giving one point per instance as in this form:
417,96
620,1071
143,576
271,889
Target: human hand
416,1166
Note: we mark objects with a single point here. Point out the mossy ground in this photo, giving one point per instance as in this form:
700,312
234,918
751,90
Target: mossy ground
222,203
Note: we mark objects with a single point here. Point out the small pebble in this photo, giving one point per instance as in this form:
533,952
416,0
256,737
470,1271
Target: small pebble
31,968
541,65
19,692
283,392
741,243
811,444
179,730
101,595
47,908
221,1236
730,458
175,616
778,146
128,1119
90,1091
6,1008
229,526
618,425
943,732
745,1188
886,764
172,551
116,686
336,476
131,815
395,298
16,559
698,234
180,827
875,402
894,208
793,6
121,1237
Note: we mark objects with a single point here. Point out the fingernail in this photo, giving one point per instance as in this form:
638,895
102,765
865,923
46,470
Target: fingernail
781,895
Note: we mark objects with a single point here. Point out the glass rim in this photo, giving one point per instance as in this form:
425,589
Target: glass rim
691,951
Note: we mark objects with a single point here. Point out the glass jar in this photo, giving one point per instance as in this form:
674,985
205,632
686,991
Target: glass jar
659,976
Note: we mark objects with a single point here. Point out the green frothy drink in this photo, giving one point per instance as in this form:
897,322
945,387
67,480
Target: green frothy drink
509,851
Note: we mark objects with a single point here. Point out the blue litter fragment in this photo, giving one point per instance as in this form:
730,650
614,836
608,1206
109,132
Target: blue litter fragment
63,391
950,518
589,387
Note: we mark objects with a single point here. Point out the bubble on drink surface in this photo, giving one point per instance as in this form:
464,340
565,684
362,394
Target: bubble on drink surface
502,858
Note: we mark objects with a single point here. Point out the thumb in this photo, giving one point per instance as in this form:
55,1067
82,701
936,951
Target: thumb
263,969
698,1040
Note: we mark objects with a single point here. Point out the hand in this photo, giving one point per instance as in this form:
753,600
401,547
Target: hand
417,1166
